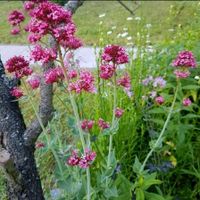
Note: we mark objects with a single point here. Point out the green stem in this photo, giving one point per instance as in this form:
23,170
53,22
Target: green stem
78,122
113,120
162,132
88,183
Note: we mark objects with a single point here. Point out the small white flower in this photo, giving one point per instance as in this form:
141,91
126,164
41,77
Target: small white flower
171,30
137,18
119,35
124,34
196,77
114,27
129,18
129,38
129,43
102,15
148,25
109,32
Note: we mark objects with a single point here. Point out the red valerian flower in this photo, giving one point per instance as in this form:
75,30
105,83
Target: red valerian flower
51,13
34,81
16,92
43,55
19,66
106,71
119,112
159,100
187,102
54,75
28,5
87,159
102,124
15,17
74,159
15,31
84,83
87,124
116,54
185,59
125,81
181,73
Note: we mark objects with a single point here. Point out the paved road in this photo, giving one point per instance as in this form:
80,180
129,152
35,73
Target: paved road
85,55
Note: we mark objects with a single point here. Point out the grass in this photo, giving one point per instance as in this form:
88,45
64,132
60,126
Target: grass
87,20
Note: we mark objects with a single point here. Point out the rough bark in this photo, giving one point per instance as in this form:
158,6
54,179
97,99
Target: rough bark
16,159
17,141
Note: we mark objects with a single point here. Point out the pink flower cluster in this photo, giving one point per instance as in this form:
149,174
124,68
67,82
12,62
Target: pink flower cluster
87,124
84,161
103,124
184,73
85,83
15,17
184,61
28,5
107,71
43,55
187,102
54,75
119,112
115,54
72,74
19,66
112,56
51,13
160,100
33,81
50,18
125,81
16,92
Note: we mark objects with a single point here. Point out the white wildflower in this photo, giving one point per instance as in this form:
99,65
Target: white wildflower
102,15
109,32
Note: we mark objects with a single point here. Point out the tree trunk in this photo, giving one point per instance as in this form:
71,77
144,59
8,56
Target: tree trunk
16,158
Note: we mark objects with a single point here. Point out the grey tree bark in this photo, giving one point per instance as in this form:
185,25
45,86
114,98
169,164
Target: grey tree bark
17,141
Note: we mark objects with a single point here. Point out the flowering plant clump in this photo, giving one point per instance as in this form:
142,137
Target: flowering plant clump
183,62
115,54
83,161
18,66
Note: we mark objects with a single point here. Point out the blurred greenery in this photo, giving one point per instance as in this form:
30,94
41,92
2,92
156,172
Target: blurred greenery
87,20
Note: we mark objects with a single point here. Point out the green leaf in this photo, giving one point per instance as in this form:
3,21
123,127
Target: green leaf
152,144
157,110
111,192
191,87
191,116
139,194
137,165
153,196
149,182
